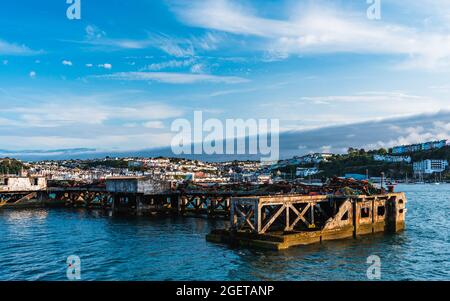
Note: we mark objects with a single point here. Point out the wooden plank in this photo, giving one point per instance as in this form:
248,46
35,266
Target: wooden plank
257,209
273,218
245,218
300,216
26,198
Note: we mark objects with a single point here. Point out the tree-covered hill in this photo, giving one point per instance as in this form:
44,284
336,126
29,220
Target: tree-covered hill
10,166
359,161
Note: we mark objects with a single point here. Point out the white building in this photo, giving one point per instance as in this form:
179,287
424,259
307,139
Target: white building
135,164
430,166
315,158
306,172
392,159
22,184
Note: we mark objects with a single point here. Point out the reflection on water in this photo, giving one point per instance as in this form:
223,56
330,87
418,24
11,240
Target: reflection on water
36,243
23,216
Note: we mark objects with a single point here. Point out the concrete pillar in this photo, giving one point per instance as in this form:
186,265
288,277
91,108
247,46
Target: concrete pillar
139,205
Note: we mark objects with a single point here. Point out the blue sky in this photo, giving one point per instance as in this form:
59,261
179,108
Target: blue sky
116,79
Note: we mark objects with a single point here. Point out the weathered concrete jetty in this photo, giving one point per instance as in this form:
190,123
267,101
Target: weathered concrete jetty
279,222
121,195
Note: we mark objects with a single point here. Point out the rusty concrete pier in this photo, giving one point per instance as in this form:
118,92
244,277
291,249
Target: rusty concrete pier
121,195
279,222
147,196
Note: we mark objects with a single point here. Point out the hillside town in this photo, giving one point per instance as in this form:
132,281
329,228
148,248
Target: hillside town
418,163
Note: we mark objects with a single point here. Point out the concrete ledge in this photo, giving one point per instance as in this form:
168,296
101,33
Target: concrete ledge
281,241
335,234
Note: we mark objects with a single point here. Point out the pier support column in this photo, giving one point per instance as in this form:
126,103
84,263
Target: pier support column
355,216
396,213
139,205
115,202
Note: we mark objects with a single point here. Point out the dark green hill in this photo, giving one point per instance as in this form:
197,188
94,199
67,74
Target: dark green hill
10,166
363,163
440,154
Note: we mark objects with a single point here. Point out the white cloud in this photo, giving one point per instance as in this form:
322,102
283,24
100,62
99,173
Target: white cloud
153,125
56,115
125,119
109,142
7,48
32,74
176,47
197,68
173,46
321,30
89,65
170,64
377,97
62,109
173,78
318,111
93,32
7,122
418,134
67,63
105,66
233,91
97,37
131,124
192,63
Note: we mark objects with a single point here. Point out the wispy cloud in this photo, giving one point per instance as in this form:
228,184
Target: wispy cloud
318,111
173,78
365,97
56,110
153,124
7,48
99,120
320,29
105,66
173,46
107,141
67,63
93,32
170,64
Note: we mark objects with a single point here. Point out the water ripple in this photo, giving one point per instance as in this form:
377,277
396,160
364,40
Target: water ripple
34,245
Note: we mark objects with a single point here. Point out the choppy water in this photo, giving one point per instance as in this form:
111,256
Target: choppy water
34,245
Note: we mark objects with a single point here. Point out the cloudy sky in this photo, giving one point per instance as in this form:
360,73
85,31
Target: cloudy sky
116,79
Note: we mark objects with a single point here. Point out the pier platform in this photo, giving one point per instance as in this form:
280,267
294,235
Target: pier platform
280,222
